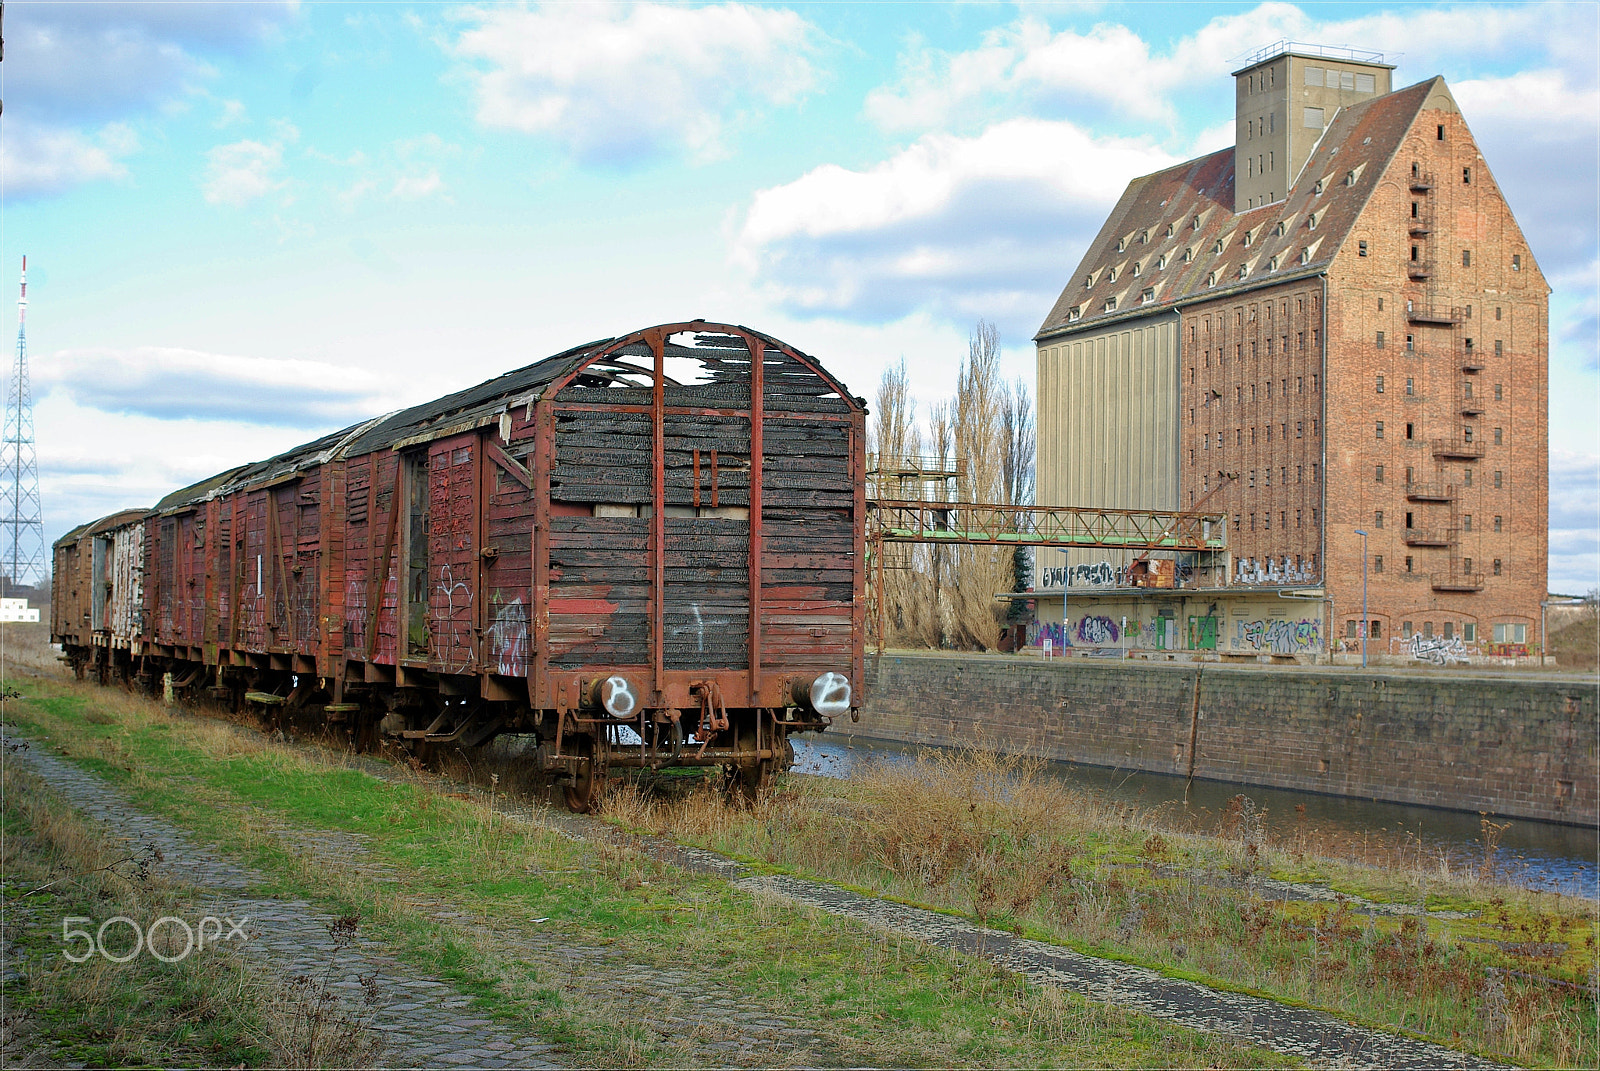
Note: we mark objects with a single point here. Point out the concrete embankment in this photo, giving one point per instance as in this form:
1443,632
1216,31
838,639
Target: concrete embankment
1511,746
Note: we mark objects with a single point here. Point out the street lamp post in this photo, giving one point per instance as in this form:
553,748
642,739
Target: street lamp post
1365,628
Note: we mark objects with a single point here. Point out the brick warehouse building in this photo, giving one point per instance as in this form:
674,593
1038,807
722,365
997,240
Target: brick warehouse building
1339,321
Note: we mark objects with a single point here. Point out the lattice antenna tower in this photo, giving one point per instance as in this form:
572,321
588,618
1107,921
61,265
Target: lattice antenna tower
22,557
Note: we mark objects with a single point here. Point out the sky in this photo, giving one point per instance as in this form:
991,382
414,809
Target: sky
250,223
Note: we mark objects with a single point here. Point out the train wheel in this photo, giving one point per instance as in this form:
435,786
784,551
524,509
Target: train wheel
588,781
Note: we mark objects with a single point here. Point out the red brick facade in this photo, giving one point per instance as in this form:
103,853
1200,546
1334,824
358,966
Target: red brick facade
1462,402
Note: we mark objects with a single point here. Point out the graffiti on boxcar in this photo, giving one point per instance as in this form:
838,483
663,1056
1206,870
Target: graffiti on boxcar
698,628
452,589
1279,637
508,638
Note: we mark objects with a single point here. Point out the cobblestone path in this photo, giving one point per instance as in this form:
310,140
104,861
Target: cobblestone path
1320,1039
421,1020
424,1021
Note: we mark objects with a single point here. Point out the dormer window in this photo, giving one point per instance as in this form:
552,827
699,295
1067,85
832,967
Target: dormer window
1244,272
1161,262
1122,243
1111,304
1280,229
1169,230
1211,280
1272,265
1349,178
1196,223
1075,313
1136,267
1318,187
1305,255
1311,221
1148,295
1144,236
1218,247
1088,281
1188,254
1111,276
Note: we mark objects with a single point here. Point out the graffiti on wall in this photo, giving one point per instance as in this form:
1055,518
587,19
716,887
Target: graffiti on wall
1097,630
1100,574
1279,637
1284,570
1053,631
1437,650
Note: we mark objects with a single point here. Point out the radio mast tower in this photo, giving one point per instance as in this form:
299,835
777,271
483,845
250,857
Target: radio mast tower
22,558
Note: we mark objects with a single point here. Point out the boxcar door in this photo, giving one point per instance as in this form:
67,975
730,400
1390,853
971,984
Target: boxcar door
453,551
706,597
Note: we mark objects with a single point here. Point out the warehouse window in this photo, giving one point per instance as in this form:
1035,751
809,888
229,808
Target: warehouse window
1380,384
1411,385
1411,431
1377,519
1466,258
1361,249
1466,176
1497,567
1497,477
1378,475
1498,432
1380,430
1377,563
1313,118
1466,522
1408,563
1497,522
1516,265
1498,393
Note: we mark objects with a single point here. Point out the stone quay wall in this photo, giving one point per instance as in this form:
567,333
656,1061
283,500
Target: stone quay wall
1523,748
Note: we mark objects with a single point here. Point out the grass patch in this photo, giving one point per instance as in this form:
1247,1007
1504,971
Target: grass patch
990,838
630,959
205,1009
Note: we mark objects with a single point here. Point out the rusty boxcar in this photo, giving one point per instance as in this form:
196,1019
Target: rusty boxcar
645,551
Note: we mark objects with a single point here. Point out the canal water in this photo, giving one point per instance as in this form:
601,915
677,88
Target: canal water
1539,855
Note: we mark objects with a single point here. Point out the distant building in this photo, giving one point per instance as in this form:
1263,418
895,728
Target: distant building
1338,321
17,610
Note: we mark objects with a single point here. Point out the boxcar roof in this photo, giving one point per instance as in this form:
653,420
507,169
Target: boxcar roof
460,411
104,524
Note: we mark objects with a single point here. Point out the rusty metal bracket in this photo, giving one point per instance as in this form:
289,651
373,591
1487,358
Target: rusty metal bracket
713,712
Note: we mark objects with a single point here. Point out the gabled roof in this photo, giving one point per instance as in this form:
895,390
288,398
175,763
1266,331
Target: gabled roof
1195,200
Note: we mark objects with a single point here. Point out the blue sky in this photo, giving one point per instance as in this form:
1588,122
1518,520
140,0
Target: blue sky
249,223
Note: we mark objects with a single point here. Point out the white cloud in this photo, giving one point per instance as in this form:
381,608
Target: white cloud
37,160
964,227
239,173
75,74
614,83
168,383
1574,521
1030,67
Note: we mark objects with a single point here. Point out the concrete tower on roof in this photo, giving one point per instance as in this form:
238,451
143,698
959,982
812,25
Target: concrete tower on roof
1283,100
1363,347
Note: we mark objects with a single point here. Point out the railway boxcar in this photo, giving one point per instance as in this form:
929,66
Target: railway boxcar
646,550
97,596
